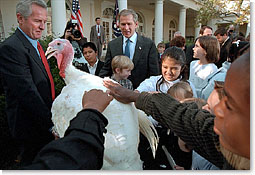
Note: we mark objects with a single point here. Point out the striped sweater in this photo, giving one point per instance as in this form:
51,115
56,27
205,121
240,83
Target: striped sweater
193,126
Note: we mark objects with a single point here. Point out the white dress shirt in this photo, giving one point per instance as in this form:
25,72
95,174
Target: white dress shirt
92,69
98,27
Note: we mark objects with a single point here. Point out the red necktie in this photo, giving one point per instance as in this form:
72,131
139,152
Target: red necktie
47,68
98,29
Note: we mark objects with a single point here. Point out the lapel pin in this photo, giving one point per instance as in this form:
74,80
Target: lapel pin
140,48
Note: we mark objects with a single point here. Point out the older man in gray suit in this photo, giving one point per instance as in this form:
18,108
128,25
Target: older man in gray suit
141,50
97,36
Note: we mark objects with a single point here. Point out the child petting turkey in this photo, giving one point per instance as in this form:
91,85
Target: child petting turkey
172,71
121,68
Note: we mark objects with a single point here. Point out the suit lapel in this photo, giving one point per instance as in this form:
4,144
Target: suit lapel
99,66
86,68
31,50
138,49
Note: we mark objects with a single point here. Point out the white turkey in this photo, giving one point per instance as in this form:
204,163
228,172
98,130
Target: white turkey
122,137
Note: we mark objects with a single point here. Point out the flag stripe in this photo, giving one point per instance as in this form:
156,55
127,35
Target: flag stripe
115,27
76,14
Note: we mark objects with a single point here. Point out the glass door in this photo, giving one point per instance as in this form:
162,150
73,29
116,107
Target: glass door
107,23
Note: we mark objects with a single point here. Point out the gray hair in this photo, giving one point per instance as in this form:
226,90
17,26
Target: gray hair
177,33
24,7
126,12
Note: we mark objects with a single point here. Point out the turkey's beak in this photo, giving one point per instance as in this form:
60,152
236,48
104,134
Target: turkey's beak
50,52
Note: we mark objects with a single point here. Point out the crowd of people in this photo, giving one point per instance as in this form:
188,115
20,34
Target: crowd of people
197,96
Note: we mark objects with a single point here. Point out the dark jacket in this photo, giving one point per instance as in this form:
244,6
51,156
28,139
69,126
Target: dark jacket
82,147
27,88
224,51
145,59
189,54
193,126
84,67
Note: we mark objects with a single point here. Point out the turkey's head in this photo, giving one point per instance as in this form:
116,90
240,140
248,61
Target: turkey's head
63,51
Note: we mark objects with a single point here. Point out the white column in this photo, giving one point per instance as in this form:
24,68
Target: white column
248,29
122,4
213,24
197,30
58,11
158,21
182,21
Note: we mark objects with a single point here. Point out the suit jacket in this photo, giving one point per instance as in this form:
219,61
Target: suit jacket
145,59
189,54
93,34
224,50
82,148
27,88
84,67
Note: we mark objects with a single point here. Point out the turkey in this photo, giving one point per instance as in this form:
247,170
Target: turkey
122,137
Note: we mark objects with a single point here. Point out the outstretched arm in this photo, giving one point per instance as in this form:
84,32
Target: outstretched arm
192,125
120,93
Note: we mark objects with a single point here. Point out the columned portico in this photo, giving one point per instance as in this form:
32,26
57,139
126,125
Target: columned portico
182,21
58,10
159,21
183,18
122,4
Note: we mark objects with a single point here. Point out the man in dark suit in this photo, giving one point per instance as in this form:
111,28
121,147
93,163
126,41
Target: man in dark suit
225,42
141,50
97,36
27,81
94,65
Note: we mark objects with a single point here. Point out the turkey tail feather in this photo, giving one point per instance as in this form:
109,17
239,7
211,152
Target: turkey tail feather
148,130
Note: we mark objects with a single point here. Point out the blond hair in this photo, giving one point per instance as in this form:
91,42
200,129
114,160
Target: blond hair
180,90
121,62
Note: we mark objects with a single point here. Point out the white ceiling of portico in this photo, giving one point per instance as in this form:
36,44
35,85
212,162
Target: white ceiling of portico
170,8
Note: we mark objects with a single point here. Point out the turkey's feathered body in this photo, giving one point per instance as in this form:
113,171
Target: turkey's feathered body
122,137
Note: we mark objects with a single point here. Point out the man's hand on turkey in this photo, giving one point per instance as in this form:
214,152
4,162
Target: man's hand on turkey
120,93
96,99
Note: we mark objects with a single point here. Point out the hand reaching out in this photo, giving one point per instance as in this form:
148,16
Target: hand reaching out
96,99
120,93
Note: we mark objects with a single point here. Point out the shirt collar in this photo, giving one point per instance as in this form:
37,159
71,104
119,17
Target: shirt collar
32,41
93,65
132,38
225,41
175,81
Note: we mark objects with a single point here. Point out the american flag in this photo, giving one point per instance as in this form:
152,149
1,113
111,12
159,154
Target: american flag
76,14
115,21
